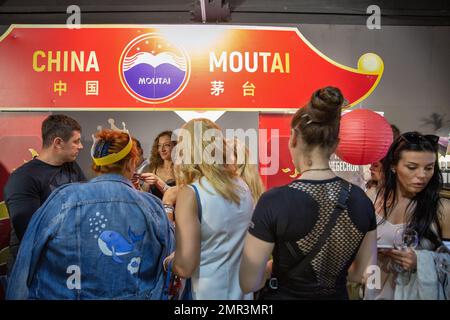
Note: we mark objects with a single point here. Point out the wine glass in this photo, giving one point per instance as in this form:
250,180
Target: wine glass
404,239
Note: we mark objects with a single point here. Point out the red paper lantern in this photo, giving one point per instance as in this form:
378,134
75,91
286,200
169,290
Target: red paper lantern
365,137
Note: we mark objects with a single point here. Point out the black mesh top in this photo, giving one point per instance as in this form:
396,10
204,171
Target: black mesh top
298,213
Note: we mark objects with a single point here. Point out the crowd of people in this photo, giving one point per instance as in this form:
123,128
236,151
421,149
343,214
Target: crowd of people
142,224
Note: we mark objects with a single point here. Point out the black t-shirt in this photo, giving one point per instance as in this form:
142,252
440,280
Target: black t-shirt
27,189
297,213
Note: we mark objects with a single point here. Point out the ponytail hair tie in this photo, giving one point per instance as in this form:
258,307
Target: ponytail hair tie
306,115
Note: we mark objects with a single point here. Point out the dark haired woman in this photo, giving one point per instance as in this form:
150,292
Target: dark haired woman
376,171
409,199
316,226
99,240
159,175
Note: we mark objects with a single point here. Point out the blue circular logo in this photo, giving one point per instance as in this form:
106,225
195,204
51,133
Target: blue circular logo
154,70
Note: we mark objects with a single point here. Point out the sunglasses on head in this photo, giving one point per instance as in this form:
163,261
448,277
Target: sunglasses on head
416,138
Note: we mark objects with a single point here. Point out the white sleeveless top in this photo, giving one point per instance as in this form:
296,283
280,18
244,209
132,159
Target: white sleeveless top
385,235
224,226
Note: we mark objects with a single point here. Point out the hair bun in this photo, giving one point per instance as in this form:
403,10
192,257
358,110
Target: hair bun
326,105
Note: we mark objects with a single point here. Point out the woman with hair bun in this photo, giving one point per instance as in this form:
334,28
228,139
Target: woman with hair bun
316,226
98,240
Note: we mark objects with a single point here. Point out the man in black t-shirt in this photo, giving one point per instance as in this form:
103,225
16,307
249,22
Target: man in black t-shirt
30,185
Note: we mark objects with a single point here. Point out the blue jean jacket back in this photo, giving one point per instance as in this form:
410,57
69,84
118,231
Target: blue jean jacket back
97,240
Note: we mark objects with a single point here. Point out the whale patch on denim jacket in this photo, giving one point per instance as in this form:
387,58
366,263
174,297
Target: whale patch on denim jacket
113,244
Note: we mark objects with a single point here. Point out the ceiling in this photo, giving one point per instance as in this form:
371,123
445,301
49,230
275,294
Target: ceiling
393,12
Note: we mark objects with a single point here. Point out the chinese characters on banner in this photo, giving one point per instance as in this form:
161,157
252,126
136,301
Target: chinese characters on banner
170,67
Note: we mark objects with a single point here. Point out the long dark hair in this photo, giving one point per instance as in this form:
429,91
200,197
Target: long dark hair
427,201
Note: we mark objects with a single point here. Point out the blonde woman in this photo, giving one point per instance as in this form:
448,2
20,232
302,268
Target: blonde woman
247,170
213,212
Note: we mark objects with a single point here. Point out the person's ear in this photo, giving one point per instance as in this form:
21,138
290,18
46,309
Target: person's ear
129,167
293,139
58,142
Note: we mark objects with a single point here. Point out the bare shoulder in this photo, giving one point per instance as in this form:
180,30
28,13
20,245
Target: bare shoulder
444,207
186,192
185,200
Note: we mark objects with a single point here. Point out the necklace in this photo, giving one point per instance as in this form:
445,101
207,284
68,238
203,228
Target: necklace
313,169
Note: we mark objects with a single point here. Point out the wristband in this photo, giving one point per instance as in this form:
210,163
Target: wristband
169,208
166,264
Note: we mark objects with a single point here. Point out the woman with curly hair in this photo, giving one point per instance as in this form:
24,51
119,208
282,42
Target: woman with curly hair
158,176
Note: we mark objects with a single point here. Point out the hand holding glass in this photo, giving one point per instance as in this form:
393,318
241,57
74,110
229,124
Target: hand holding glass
404,239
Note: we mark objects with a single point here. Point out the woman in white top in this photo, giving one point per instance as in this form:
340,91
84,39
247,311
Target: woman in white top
409,198
209,242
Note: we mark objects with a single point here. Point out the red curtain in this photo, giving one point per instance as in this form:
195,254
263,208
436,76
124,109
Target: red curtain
286,171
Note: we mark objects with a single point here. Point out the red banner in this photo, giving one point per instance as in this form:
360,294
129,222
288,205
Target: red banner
170,67
279,158
19,135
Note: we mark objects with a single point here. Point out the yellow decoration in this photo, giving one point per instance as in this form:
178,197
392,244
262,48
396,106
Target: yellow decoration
295,174
34,153
114,157
370,63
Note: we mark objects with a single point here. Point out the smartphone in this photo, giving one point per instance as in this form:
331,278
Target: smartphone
384,246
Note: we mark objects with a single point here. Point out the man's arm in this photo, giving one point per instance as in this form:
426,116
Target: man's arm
22,200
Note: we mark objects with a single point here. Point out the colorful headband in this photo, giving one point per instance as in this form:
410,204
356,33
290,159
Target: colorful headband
113,157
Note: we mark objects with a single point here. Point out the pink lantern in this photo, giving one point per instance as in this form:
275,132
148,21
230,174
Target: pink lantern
365,137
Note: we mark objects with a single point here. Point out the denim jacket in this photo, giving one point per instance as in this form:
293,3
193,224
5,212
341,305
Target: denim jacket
97,240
